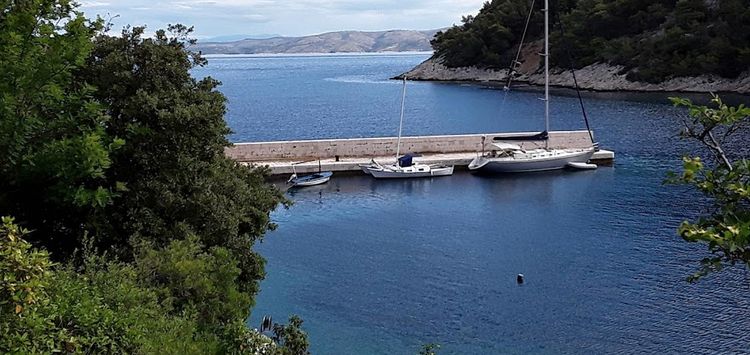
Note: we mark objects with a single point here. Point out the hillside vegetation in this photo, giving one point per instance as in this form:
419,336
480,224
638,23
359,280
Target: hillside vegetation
653,40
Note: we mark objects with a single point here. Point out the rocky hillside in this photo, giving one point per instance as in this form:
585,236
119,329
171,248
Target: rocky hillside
687,45
598,77
333,42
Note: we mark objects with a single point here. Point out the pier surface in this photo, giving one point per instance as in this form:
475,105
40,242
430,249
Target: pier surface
346,154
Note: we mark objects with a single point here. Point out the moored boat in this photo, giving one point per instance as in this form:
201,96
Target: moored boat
310,180
405,166
407,169
319,178
509,158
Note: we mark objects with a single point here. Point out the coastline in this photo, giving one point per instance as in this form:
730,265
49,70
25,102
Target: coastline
596,77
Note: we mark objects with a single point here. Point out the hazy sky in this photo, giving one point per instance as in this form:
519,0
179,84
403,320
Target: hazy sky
290,17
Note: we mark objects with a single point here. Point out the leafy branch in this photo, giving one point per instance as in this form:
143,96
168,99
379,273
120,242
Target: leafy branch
724,179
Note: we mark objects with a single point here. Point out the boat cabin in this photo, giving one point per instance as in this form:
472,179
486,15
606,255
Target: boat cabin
406,161
504,150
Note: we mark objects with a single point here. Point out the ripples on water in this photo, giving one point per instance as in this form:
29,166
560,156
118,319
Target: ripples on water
380,267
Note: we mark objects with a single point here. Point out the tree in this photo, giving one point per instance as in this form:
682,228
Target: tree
180,184
54,151
113,156
652,40
724,178
291,337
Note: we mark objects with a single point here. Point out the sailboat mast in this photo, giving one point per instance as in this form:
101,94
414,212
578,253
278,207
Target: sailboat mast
546,69
401,122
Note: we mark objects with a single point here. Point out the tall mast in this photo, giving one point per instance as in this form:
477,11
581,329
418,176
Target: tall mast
546,69
401,122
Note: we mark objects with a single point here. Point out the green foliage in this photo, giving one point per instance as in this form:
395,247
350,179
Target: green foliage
180,182
291,337
488,39
108,145
103,309
108,307
23,271
190,279
725,180
54,152
653,40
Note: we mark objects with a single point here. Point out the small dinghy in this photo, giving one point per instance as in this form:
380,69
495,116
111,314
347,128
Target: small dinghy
582,166
319,178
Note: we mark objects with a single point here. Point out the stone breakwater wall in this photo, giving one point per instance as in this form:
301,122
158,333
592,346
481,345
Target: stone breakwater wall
386,146
598,77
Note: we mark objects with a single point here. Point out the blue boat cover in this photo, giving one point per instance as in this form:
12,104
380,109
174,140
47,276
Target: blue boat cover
405,161
541,136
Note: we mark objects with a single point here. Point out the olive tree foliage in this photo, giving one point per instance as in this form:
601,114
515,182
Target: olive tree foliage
112,156
54,151
179,181
723,177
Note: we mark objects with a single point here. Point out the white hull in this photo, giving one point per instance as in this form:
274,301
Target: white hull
414,171
366,168
310,180
531,161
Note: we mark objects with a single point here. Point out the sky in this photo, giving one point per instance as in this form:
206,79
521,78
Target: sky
213,18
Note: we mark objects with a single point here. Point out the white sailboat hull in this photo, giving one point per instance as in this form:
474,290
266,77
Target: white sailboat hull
415,171
559,160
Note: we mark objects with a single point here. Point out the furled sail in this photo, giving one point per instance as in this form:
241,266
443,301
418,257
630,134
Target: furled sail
541,136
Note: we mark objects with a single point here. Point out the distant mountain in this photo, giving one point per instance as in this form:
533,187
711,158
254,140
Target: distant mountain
332,42
234,38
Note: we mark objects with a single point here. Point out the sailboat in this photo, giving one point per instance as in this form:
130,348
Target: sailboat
405,167
506,157
319,178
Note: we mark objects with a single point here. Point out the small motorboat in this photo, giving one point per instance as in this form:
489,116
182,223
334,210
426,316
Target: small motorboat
319,178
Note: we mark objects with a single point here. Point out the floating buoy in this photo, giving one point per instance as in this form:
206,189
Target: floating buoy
519,279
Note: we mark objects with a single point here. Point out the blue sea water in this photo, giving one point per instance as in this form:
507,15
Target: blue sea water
381,267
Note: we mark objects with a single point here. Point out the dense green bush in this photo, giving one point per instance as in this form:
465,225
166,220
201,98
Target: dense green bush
112,156
653,40
100,308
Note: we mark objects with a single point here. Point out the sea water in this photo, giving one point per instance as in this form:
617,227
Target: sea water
382,267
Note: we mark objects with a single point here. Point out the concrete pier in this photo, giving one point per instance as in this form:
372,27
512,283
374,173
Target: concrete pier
346,154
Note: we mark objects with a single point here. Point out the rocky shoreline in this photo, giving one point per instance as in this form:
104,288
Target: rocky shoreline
595,77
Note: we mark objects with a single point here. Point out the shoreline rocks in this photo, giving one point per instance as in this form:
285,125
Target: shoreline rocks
595,77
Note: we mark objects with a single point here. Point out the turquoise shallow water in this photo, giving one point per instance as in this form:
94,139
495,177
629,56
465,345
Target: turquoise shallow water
380,267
